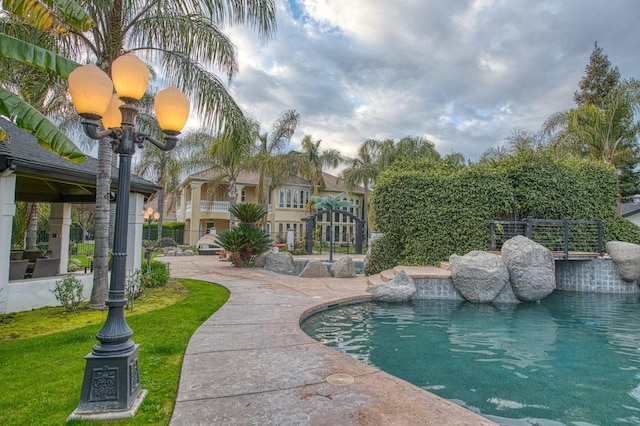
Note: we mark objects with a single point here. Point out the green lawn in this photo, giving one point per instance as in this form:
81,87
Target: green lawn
42,375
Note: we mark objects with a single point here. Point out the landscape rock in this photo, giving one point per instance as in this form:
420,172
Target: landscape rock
626,256
281,263
343,268
532,271
478,276
400,289
261,260
315,269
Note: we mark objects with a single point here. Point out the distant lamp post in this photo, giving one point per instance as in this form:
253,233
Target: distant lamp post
111,385
149,216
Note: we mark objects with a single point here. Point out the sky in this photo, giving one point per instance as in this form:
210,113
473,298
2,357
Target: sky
462,73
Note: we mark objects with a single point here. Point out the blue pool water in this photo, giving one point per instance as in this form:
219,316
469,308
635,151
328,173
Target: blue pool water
572,359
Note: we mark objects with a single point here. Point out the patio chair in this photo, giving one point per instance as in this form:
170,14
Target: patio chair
45,268
18,269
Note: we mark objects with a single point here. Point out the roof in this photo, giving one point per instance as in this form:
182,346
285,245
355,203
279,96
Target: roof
332,183
629,209
44,176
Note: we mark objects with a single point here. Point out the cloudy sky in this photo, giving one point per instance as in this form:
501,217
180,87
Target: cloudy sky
463,73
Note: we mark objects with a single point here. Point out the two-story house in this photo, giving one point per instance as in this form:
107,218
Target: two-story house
203,205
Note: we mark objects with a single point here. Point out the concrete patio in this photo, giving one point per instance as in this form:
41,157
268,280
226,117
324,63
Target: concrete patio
251,364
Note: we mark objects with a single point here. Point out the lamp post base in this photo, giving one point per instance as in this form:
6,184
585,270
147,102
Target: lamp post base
111,386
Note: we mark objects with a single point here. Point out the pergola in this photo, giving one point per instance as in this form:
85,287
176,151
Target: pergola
31,173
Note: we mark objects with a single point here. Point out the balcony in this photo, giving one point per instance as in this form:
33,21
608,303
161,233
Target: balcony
215,206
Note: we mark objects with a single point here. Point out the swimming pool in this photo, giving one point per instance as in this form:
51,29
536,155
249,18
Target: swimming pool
573,358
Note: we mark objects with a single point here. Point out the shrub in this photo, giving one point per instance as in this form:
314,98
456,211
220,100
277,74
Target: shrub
429,210
166,242
69,293
74,264
157,277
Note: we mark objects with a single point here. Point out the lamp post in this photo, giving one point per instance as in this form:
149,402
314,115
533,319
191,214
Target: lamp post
111,384
149,216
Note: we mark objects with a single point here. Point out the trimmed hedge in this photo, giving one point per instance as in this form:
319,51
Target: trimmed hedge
429,210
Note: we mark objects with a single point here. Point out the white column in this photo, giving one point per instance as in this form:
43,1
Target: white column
134,232
7,211
59,225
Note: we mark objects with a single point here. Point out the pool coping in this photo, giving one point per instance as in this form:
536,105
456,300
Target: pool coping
251,363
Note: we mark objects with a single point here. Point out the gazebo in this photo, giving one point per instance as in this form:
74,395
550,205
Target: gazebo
31,173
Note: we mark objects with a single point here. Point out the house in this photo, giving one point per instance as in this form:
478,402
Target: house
31,173
203,206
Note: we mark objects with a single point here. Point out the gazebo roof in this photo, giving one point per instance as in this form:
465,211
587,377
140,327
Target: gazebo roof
44,176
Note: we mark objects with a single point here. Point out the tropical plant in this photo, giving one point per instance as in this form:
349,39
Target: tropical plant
268,159
30,75
310,162
246,240
226,154
184,38
250,213
608,133
331,204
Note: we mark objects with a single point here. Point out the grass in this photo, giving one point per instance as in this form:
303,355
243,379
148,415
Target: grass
42,354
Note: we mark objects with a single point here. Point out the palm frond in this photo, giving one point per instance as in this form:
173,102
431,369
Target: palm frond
29,119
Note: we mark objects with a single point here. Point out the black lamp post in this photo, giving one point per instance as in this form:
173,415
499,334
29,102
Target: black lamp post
111,386
149,216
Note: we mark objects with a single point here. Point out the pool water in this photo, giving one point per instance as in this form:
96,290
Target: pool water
572,359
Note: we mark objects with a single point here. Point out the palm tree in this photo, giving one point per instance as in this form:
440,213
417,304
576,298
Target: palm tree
311,161
161,167
330,203
269,161
608,133
226,153
184,38
361,170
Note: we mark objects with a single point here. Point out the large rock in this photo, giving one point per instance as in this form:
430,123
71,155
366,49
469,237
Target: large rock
400,289
478,276
261,260
314,269
626,256
532,270
279,262
343,268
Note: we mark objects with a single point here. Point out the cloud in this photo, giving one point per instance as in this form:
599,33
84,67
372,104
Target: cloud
463,73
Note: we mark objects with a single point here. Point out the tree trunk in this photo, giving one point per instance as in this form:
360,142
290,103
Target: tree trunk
32,226
160,209
100,288
233,195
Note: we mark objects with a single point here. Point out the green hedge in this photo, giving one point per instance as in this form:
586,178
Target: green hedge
429,210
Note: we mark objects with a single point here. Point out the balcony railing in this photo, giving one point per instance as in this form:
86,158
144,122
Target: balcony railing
215,206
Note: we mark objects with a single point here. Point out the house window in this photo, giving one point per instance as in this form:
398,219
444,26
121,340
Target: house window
302,202
243,196
336,217
295,199
327,233
336,233
344,234
288,198
281,202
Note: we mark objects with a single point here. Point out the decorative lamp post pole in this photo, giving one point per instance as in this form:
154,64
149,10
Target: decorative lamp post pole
149,216
111,385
